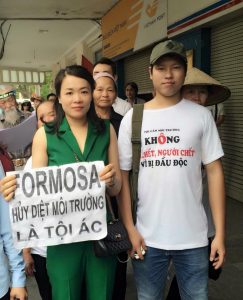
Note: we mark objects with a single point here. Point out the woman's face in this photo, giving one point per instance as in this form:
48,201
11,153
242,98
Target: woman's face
75,97
130,92
195,93
104,93
26,107
46,113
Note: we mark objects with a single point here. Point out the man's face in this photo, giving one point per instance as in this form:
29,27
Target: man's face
8,103
168,75
2,104
36,102
102,68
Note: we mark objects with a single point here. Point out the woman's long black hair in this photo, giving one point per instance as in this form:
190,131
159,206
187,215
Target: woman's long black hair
81,72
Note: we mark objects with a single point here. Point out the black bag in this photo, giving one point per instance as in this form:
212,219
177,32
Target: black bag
116,241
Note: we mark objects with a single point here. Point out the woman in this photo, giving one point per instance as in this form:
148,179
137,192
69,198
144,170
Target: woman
104,95
78,134
26,107
204,90
131,90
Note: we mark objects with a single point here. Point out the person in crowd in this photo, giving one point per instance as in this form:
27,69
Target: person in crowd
107,65
131,91
12,275
202,89
90,139
5,159
51,97
218,113
35,258
36,99
26,107
104,95
12,115
171,223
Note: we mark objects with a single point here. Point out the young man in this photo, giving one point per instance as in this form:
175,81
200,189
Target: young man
108,66
177,136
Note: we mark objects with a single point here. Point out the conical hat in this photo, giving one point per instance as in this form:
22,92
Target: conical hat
216,91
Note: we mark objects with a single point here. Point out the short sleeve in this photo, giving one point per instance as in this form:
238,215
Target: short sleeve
124,142
211,144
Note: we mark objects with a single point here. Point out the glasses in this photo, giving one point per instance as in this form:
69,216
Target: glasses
9,99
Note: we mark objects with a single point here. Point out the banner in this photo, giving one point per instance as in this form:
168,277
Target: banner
58,205
17,138
133,25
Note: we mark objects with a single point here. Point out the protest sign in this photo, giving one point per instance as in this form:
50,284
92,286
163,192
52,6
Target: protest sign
58,205
19,137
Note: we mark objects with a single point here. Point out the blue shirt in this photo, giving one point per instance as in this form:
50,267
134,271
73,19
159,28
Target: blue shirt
11,260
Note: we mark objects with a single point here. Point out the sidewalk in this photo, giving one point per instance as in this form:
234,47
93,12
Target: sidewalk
230,284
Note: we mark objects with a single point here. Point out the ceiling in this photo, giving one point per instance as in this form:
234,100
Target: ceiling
38,33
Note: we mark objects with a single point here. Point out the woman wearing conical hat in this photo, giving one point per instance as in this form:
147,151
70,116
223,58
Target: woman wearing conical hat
202,89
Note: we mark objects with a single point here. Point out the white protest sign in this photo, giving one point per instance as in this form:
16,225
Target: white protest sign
58,205
19,136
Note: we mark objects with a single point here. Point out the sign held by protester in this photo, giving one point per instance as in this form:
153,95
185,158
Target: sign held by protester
58,205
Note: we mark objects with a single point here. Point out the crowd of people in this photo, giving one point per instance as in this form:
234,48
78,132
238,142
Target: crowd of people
180,212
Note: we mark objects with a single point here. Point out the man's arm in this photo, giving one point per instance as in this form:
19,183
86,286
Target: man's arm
125,209
220,120
216,191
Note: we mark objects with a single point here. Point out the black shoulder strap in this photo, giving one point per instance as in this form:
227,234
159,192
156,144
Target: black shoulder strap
216,113
137,118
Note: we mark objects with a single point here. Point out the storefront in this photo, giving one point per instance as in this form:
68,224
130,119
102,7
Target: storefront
212,32
227,67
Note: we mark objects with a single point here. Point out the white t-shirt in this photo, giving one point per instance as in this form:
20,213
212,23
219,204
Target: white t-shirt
220,110
36,250
175,141
121,106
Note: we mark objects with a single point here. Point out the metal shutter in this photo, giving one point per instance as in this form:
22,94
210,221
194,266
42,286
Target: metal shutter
227,67
136,69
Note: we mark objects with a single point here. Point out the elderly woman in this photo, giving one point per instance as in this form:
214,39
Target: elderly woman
104,95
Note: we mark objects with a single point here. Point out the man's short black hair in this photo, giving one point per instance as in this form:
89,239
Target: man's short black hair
107,61
51,94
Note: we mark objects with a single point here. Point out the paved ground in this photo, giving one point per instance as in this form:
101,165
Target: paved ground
230,284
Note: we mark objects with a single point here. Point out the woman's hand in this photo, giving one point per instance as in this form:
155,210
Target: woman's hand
8,186
108,174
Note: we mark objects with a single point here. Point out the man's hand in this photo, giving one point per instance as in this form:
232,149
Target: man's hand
29,262
137,243
217,254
